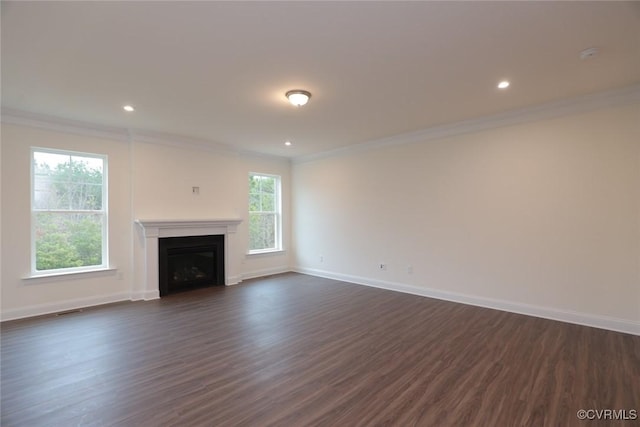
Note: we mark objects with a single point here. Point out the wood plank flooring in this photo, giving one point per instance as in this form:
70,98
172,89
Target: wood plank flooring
296,350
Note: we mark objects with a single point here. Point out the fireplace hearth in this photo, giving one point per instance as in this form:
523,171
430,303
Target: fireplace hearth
190,262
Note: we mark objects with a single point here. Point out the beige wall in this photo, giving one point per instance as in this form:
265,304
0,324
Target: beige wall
148,181
541,218
163,178
20,297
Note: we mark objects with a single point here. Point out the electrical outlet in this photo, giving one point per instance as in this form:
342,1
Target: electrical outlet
195,190
410,269
321,258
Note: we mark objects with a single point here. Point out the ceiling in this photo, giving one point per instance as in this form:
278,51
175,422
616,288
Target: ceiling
218,71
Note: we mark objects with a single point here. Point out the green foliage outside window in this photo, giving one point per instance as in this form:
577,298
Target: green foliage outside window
68,210
68,240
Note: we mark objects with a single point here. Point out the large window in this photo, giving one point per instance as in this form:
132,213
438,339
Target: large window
68,211
264,213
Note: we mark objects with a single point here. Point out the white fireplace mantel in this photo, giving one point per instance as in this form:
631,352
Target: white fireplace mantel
177,228
154,229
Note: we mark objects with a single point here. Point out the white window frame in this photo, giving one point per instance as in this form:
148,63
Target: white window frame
278,215
104,213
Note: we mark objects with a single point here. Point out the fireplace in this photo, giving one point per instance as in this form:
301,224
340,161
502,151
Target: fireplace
190,262
154,230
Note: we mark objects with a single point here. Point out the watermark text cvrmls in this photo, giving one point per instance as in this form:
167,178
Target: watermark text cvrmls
607,414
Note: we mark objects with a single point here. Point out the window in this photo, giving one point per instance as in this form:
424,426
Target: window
68,211
264,213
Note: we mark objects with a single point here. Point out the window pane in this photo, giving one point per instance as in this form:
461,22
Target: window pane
49,160
66,182
262,231
65,240
268,184
268,203
269,230
254,184
84,196
43,195
254,202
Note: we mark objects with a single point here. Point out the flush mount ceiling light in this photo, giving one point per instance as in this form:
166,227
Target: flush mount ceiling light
503,84
129,108
287,143
298,97
588,53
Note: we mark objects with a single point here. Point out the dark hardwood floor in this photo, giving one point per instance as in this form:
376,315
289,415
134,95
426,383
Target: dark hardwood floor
295,350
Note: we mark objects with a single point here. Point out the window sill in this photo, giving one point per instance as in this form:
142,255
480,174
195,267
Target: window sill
266,252
67,275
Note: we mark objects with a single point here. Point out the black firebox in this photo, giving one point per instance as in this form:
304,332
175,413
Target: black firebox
190,262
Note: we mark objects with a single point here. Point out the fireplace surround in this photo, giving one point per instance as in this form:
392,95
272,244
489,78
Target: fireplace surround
152,230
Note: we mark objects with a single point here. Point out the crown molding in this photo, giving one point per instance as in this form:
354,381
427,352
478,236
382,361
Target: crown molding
581,104
76,127
180,141
42,121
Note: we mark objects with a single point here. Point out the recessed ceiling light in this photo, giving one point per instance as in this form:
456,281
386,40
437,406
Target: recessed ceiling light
287,143
129,108
503,84
298,97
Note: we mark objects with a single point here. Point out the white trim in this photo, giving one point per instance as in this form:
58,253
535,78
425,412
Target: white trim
56,307
103,212
265,272
581,104
154,229
234,280
145,295
181,141
277,212
156,226
265,252
568,316
46,122
57,276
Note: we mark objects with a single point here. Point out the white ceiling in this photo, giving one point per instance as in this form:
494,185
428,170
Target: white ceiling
218,71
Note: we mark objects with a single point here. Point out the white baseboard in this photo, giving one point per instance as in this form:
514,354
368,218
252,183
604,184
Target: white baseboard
77,303
145,295
56,307
568,316
233,280
265,272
